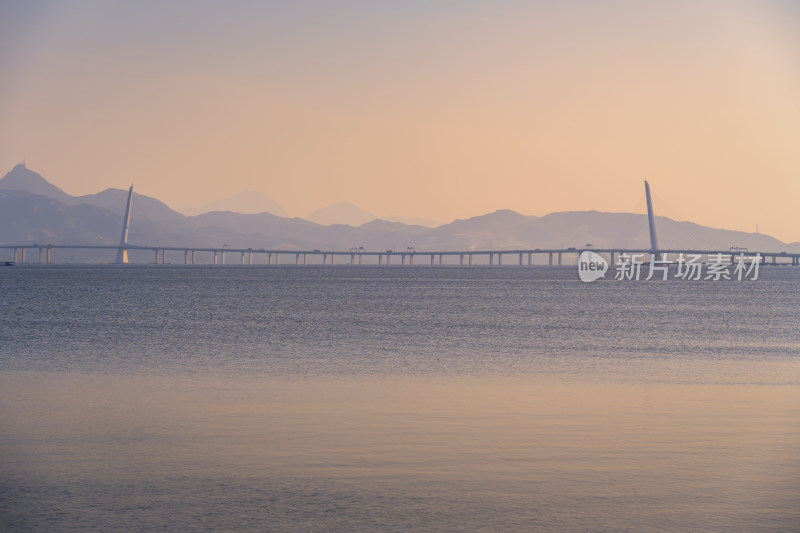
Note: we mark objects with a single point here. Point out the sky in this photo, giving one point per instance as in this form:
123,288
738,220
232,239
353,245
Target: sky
427,109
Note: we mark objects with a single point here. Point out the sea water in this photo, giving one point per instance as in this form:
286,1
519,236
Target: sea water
391,398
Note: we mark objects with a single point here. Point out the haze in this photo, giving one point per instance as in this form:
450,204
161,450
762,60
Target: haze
436,110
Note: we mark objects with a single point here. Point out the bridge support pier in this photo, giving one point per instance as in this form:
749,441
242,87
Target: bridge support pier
40,255
530,258
193,257
155,258
612,259
440,258
559,258
360,259
461,259
550,258
48,255
499,259
164,257
23,256
469,257
432,259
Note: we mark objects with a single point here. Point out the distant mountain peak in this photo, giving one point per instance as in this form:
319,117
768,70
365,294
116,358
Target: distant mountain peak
245,202
341,213
21,172
21,178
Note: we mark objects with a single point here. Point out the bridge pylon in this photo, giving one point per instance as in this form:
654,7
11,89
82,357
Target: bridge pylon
651,220
122,251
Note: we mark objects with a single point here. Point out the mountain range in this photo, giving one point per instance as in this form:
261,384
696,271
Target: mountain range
32,210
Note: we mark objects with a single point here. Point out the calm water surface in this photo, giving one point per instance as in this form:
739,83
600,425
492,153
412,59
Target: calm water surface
396,399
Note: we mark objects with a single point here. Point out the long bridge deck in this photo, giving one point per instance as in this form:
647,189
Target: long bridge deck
522,257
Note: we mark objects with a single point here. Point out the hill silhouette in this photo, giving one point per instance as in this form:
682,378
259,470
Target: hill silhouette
32,210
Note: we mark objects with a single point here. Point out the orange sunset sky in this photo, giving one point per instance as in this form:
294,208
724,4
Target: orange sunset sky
436,110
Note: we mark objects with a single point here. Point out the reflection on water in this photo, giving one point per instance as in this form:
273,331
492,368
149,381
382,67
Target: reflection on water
342,454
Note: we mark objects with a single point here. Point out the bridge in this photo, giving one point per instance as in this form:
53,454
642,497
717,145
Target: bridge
245,256
226,255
